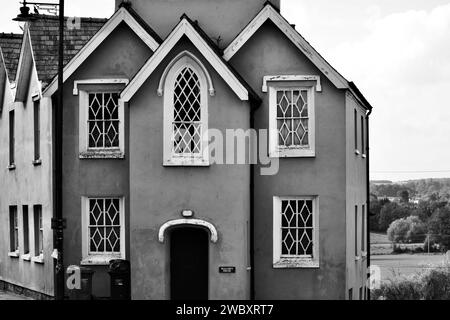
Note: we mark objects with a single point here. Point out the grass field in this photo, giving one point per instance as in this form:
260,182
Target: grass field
393,266
380,244
378,238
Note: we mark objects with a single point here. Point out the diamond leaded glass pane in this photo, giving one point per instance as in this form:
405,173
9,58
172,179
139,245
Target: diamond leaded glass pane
103,120
187,126
104,226
293,118
297,228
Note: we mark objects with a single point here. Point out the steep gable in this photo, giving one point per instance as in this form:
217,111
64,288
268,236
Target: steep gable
10,44
44,34
3,80
39,49
271,13
124,15
25,68
9,58
191,30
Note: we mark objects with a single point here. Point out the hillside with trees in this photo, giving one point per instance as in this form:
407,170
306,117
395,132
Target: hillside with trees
413,211
427,189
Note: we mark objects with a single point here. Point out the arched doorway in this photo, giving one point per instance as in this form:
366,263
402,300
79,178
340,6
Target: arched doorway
189,263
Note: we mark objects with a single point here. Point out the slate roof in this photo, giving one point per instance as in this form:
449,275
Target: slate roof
10,44
44,34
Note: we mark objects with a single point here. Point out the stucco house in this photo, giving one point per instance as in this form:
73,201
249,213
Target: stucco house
153,99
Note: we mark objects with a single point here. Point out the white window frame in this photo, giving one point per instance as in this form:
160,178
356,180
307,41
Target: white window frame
100,259
357,248
170,158
282,152
280,262
356,132
364,233
363,137
99,86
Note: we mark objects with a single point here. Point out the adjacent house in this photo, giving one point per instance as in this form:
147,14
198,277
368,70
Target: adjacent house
146,94
29,63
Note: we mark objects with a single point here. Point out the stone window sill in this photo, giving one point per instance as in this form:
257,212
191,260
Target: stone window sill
364,156
102,154
37,163
293,153
38,259
26,257
186,162
297,263
14,254
100,260
357,152
12,167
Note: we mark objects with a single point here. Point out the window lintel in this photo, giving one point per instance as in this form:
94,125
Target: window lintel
93,82
286,78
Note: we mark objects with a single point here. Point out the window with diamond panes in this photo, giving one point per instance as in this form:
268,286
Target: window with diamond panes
187,121
103,121
104,226
297,228
293,118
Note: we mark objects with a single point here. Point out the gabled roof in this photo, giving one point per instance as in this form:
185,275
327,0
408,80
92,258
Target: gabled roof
10,44
44,35
270,12
205,46
3,80
124,15
25,68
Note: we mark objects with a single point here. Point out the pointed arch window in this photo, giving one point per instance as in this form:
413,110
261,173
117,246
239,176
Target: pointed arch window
186,112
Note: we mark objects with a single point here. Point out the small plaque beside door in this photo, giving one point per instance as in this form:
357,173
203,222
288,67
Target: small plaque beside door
227,269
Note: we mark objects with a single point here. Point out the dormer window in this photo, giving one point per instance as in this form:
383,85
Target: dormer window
186,114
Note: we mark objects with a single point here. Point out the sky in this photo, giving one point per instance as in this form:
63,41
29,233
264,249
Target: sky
396,51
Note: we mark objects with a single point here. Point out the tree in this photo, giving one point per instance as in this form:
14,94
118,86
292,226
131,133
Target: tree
434,197
417,230
391,212
439,227
404,195
398,230
375,210
425,209
409,229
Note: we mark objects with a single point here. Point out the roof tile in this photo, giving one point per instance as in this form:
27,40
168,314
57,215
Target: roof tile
44,34
10,44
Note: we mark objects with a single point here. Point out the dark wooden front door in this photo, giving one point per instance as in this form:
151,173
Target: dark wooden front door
189,264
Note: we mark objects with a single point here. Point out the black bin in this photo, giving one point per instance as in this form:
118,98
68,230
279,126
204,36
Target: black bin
119,271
